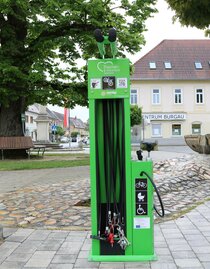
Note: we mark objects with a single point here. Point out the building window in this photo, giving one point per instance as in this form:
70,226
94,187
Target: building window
167,65
156,130
155,96
198,65
199,98
178,96
133,97
152,65
31,119
26,118
176,129
196,128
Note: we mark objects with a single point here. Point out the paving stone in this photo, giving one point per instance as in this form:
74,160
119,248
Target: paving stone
60,266
199,243
8,231
183,254
11,265
134,265
28,246
201,250
58,235
203,257
112,265
18,257
188,263
179,247
83,263
39,235
40,259
165,259
14,238
83,254
163,266
64,259
162,251
50,244
206,265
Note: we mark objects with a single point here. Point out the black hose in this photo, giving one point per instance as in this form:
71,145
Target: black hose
123,165
158,195
98,179
106,149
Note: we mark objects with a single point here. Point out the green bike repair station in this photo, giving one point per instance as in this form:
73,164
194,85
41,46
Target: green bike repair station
121,189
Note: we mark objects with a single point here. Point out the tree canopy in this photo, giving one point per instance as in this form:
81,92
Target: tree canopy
192,12
136,115
43,41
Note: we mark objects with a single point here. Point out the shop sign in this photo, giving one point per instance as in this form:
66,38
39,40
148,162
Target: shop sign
165,116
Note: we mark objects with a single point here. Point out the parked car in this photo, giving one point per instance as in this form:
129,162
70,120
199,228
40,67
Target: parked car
86,140
64,139
73,139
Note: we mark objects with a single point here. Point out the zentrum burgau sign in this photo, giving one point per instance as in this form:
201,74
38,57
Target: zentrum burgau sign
164,116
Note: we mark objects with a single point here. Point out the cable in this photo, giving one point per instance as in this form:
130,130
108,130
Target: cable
106,152
98,179
123,166
158,195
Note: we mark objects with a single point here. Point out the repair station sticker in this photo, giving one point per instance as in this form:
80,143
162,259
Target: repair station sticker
142,223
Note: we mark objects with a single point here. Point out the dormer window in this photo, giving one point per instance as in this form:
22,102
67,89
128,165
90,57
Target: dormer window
152,65
167,65
198,65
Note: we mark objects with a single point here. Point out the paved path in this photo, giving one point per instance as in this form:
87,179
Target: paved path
14,180
49,203
181,243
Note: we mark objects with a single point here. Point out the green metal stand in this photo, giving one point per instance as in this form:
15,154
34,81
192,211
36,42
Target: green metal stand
121,199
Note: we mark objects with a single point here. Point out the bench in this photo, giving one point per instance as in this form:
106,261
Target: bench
20,142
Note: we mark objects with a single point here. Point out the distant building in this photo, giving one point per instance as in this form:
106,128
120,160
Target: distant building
55,118
172,85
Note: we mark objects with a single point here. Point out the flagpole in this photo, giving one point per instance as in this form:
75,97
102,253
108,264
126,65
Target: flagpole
69,122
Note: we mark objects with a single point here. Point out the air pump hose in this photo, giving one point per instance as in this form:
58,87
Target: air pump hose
158,194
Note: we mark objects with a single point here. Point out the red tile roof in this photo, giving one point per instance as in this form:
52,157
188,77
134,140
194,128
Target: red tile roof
182,54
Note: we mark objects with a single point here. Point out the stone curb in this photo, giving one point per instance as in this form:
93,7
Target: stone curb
1,232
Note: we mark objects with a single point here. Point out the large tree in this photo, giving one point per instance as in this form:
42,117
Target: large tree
42,43
192,12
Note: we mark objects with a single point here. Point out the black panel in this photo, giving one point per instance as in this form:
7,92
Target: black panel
106,248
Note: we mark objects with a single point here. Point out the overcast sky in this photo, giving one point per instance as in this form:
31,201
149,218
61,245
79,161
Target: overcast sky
159,27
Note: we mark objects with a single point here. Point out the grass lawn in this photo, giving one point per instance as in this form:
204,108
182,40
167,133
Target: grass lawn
49,161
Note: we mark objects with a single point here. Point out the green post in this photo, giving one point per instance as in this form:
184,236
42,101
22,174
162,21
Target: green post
121,199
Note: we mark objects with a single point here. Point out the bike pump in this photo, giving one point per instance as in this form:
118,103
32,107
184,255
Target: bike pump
121,189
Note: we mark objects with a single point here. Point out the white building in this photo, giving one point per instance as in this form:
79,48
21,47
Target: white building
172,85
30,124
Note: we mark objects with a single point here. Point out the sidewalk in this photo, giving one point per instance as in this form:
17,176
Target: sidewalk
43,202
181,243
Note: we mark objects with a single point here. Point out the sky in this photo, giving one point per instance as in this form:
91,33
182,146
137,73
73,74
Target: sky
159,27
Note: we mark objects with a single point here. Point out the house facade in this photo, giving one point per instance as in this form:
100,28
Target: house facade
172,85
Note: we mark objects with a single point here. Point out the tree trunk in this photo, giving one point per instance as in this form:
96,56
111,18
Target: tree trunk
12,125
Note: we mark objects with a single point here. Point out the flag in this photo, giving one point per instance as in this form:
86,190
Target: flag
66,118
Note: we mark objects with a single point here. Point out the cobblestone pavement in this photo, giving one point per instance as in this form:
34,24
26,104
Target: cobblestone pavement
180,243
183,182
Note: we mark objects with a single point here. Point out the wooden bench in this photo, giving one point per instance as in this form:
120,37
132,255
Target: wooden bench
20,142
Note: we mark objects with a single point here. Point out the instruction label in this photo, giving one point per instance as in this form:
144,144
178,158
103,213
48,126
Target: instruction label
142,223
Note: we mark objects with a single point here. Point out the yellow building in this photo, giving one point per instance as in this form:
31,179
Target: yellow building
172,85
